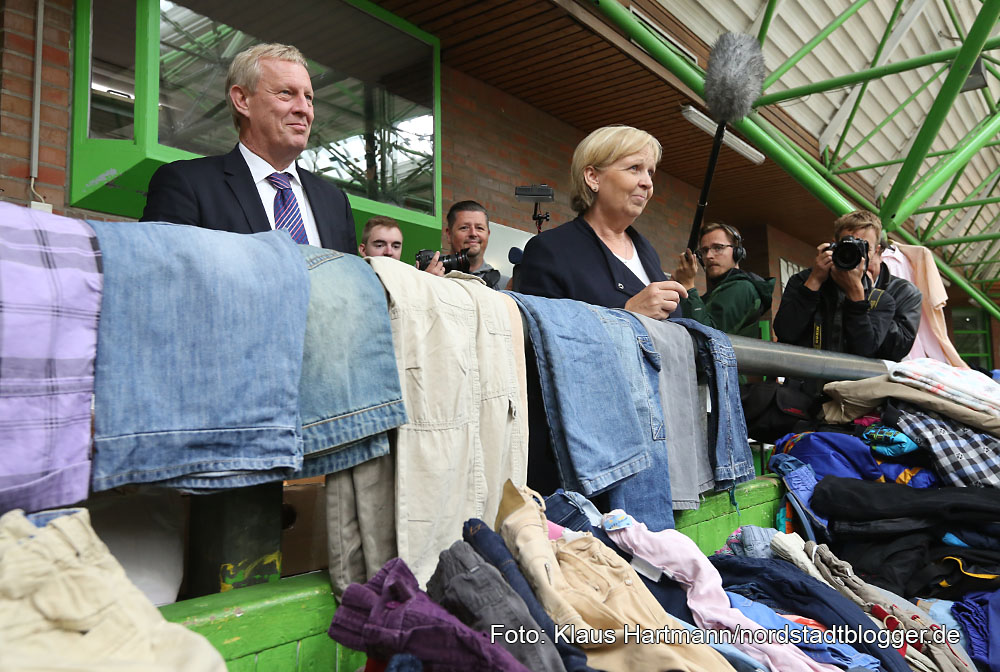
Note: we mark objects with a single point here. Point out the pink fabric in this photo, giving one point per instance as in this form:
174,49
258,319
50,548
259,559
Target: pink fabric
680,558
867,420
555,531
916,264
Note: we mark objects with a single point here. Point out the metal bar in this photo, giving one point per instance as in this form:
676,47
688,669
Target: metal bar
975,263
974,218
978,272
813,163
969,135
766,22
947,193
866,75
864,87
975,238
756,357
987,98
811,44
880,164
961,248
898,206
929,231
899,31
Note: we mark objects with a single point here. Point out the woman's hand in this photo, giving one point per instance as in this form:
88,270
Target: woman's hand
686,270
658,299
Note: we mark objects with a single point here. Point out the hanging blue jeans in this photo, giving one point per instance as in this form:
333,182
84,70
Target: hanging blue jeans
199,354
727,428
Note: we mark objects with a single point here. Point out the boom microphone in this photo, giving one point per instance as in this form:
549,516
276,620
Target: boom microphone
733,80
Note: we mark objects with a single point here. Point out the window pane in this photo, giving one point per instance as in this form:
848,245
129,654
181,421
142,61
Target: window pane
112,70
373,131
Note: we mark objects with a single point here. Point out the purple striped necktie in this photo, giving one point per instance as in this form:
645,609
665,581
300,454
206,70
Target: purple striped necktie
286,208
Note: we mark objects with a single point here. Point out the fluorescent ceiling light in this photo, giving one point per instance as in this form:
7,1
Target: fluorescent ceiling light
706,124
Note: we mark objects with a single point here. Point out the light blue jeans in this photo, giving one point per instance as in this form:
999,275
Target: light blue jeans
199,355
598,436
730,449
349,395
645,495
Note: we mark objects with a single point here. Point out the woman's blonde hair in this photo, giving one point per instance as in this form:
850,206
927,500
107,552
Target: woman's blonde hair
600,149
244,71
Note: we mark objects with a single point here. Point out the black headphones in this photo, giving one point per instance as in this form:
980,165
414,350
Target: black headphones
739,252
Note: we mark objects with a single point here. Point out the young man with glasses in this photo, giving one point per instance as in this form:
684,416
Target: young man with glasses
735,299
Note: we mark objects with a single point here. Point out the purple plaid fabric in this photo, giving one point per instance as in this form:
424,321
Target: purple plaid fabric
50,298
286,208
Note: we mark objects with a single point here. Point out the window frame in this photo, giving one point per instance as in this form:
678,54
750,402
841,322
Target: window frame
111,175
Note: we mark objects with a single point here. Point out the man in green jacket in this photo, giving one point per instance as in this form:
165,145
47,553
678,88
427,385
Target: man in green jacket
735,299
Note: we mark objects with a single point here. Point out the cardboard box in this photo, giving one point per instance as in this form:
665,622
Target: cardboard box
303,534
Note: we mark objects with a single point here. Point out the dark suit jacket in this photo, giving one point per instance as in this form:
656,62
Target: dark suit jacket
217,192
571,262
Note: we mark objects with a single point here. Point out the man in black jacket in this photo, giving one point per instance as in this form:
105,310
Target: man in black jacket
842,310
258,186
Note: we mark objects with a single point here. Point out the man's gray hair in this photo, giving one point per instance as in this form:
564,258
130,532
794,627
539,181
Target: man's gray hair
244,71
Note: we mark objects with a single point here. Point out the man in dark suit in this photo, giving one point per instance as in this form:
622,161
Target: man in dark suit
257,186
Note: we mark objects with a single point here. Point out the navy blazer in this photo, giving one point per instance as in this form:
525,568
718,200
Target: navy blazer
218,192
571,262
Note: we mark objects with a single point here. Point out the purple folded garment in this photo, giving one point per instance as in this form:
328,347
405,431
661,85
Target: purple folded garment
390,615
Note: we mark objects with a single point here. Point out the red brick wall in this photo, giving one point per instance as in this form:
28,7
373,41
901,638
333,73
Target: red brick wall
17,49
780,246
493,142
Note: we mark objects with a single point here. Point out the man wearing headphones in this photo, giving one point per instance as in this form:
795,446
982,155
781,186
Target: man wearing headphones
736,299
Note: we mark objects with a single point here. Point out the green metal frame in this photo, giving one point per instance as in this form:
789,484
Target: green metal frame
111,176
819,179
867,75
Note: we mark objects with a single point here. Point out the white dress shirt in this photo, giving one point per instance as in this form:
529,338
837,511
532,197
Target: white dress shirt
260,170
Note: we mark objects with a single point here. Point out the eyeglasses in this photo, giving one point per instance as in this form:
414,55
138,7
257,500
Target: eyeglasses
717,248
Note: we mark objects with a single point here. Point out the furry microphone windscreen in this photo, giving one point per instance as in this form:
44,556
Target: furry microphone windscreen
734,76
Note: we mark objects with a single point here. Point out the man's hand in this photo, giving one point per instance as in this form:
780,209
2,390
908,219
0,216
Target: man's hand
821,267
435,267
657,299
686,270
850,281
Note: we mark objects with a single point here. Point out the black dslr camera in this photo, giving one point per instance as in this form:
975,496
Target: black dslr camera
452,262
848,252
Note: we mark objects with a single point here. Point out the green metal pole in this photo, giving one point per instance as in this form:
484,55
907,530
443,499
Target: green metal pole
958,250
812,162
946,196
879,164
981,262
975,238
811,44
898,206
992,260
864,87
953,15
930,231
765,23
957,206
865,75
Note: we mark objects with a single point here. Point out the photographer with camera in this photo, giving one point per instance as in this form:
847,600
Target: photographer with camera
836,306
468,232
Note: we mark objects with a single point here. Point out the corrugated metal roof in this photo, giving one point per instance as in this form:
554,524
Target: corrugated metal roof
923,26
